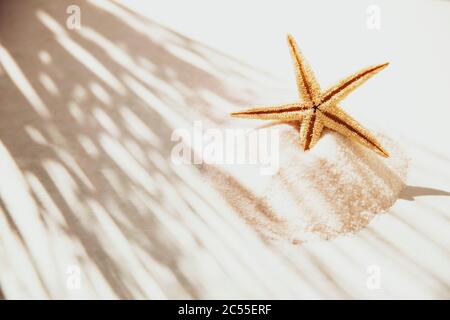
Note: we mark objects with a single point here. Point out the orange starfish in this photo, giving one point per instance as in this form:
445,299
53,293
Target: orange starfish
319,109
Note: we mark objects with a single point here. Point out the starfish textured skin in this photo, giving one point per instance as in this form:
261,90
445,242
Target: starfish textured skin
319,109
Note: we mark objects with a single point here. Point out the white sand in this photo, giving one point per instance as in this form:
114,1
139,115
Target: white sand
335,189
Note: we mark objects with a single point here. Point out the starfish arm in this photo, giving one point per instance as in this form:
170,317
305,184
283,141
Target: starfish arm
310,129
292,123
338,92
336,119
292,111
307,84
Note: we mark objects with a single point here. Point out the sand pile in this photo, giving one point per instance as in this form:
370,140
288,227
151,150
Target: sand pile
336,188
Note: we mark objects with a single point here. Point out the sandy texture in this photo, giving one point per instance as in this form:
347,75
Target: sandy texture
335,189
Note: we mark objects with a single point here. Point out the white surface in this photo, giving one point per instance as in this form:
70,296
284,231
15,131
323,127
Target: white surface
85,124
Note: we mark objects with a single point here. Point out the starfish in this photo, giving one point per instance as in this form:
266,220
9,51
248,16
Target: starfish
319,109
